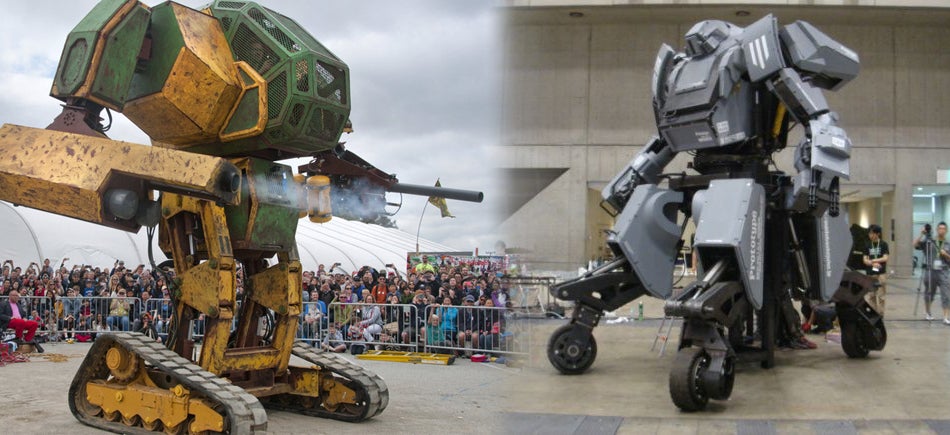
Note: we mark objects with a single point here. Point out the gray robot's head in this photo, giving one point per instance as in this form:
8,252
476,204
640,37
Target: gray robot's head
705,36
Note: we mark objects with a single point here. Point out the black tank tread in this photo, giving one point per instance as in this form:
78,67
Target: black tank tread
374,388
243,411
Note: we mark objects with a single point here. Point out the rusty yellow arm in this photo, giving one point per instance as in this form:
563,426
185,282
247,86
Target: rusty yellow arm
104,181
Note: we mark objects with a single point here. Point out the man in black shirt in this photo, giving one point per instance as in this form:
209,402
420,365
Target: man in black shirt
875,261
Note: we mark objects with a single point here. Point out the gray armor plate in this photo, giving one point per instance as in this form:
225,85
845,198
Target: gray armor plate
834,244
648,234
760,45
732,222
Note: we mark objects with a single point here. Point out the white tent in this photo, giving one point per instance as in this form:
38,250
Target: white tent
30,235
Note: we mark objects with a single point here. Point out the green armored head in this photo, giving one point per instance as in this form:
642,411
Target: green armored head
307,85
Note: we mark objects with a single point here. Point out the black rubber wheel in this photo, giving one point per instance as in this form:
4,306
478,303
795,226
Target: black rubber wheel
727,380
685,379
567,352
881,334
852,341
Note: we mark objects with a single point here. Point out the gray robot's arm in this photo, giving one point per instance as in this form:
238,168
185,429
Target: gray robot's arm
825,147
815,62
645,167
823,155
795,63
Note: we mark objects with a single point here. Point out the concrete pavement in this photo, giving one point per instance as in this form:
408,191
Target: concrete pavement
903,389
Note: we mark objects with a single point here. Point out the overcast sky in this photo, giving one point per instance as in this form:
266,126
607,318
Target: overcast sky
425,83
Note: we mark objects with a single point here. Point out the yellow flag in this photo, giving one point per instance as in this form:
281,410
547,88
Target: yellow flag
439,202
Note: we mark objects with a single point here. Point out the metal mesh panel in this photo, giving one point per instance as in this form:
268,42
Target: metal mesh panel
231,5
324,73
277,185
299,34
249,48
303,79
226,23
276,93
316,123
271,27
276,134
296,114
331,82
324,125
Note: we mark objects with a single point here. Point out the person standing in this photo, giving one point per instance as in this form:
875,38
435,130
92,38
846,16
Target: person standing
424,267
875,261
936,275
378,292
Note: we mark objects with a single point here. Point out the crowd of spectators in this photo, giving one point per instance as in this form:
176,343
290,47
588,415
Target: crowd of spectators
75,302
432,304
438,305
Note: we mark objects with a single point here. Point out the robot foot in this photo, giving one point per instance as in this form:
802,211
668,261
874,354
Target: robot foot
686,390
700,374
704,368
862,328
859,337
572,349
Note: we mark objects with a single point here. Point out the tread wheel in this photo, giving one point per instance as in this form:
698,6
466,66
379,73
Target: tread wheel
686,374
567,352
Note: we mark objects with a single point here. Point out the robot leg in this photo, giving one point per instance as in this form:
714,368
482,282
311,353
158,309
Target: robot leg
645,230
572,348
715,307
704,367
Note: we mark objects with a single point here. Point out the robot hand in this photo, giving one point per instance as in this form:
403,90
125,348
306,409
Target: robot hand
821,160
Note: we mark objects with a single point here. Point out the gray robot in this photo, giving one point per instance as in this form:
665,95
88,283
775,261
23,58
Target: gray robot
729,101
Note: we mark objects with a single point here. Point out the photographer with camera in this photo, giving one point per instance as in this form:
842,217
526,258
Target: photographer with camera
935,272
875,260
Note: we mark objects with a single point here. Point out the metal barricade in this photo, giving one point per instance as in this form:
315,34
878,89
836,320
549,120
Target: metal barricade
64,317
530,296
475,329
314,320
397,327
161,311
39,308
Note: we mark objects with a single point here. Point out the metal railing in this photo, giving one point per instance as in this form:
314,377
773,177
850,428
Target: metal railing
396,329
459,329
475,329
67,316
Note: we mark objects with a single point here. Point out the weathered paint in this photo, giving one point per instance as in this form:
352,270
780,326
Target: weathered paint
166,43
67,174
77,67
249,116
266,218
190,86
305,114
167,406
121,47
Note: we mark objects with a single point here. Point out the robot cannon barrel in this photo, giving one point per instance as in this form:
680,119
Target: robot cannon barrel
442,192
